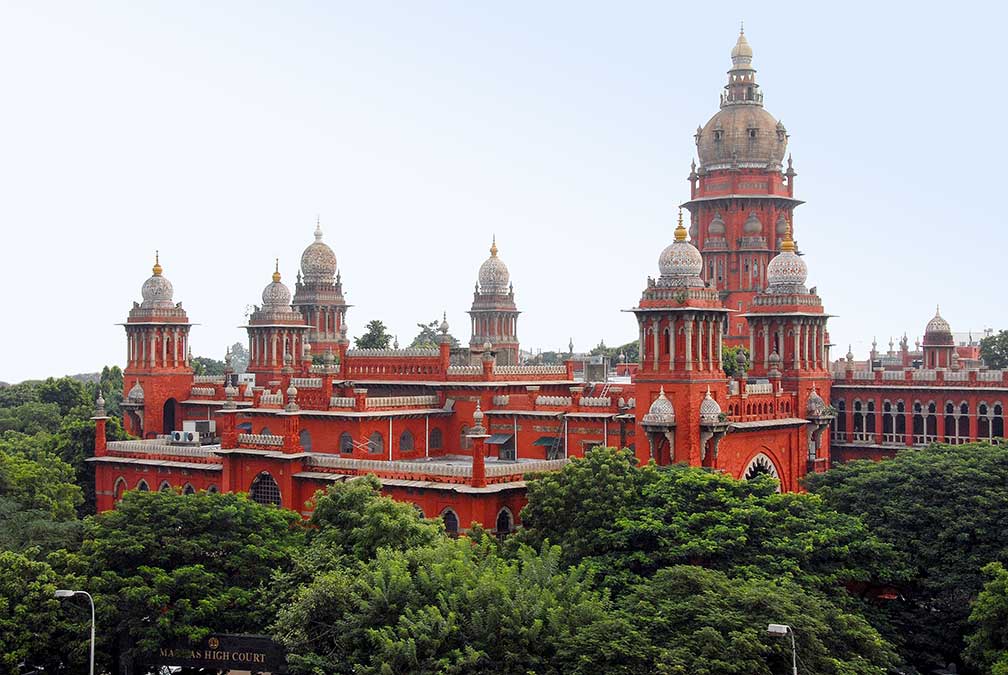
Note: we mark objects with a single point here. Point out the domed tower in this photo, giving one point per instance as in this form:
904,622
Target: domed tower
277,333
157,374
680,320
318,296
741,196
939,345
494,314
788,341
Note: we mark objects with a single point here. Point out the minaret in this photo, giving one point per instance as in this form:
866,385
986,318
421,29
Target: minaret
157,375
680,324
741,198
318,295
276,335
494,314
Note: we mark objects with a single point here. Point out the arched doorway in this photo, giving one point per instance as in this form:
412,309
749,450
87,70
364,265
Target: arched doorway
451,523
505,523
168,416
761,465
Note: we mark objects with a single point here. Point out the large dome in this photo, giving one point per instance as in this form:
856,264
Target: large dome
742,133
318,262
493,273
276,295
157,291
680,263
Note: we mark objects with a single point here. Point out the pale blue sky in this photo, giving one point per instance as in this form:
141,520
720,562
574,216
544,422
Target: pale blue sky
416,130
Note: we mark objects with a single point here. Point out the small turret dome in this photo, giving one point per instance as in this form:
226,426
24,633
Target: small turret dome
276,295
752,225
938,331
493,273
136,393
680,263
781,226
661,411
710,411
787,272
717,226
157,291
318,262
815,406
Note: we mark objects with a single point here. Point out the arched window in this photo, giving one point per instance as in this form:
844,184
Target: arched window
212,489
900,422
505,523
451,522
265,431
119,488
305,439
840,421
761,465
870,418
165,486
665,343
436,440
406,441
997,422
983,422
465,442
918,423
346,443
859,429
950,422
264,490
142,486
963,423
376,443
188,489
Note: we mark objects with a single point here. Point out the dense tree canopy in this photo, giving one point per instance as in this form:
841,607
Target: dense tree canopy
376,336
944,509
429,336
729,360
165,566
987,645
994,350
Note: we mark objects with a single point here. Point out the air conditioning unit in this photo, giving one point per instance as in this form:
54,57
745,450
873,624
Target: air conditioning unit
185,437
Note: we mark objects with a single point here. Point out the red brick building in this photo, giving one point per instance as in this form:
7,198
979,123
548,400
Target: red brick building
457,436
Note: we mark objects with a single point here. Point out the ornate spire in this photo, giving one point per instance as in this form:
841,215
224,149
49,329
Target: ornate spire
493,246
276,271
157,265
680,231
788,243
318,228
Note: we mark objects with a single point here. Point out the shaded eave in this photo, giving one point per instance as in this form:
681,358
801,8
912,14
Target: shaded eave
702,200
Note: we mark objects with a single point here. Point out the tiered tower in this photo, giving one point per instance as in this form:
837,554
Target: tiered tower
157,359
680,321
277,332
318,295
494,314
740,197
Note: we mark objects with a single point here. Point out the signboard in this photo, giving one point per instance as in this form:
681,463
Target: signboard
256,653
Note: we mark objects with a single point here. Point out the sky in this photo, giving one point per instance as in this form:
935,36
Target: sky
415,131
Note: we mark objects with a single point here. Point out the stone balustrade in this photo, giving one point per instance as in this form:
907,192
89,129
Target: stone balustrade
260,439
530,370
342,402
554,400
759,388
208,379
864,375
501,400
307,382
990,375
433,469
925,376
893,375
465,370
957,376
401,401
595,402
410,352
202,391
271,399
158,446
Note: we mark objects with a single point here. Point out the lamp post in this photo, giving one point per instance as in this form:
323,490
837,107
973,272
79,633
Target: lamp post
780,629
62,593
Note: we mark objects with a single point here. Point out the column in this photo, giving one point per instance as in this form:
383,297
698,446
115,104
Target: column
752,347
700,344
640,346
711,324
797,340
689,342
766,344
654,341
672,341
720,344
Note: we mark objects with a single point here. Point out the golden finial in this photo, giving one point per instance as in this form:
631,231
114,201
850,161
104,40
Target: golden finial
680,231
157,265
276,271
493,246
788,244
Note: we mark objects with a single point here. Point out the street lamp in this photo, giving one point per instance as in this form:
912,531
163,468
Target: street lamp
780,629
62,593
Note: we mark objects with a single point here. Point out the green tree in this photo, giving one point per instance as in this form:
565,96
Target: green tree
38,499
67,393
203,365
170,567
375,337
449,607
17,394
111,383
239,357
994,350
703,621
31,418
729,360
943,509
627,522
430,336
37,633
987,645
